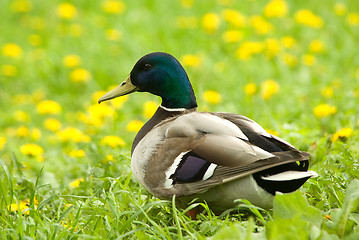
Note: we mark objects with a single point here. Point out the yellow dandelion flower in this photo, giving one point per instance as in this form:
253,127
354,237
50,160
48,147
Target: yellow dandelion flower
212,97
342,134
327,92
23,206
80,75
8,70
96,114
149,108
340,9
247,49
353,19
250,89
307,18
113,6
67,205
187,22
66,11
35,40
11,50
269,88
77,153
289,59
187,3
90,120
276,8
191,60
101,111
210,23
14,207
113,34
113,141
52,124
72,134
21,6
48,107
31,150
76,183
72,60
96,95
288,41
308,59
328,217
35,134
234,17
22,131
261,26
232,36
2,142
316,46
134,125
272,47
272,132
324,110
21,116
69,225
65,224
110,158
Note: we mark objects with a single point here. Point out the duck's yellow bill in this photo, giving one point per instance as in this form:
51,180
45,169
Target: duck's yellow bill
124,88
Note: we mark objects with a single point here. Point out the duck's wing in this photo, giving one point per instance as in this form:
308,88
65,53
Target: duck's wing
256,133
202,150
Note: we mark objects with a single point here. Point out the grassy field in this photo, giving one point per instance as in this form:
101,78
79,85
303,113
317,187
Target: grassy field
292,66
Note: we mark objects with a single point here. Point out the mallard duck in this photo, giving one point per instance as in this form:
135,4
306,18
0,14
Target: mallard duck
215,157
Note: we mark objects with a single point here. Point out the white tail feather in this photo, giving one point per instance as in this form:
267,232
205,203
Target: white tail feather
290,175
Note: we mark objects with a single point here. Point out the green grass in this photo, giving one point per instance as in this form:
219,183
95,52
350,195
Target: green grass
108,203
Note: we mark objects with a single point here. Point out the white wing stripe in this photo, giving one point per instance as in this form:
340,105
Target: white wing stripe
210,171
172,169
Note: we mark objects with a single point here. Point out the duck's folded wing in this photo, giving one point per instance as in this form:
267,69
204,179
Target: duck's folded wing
223,174
210,164
213,157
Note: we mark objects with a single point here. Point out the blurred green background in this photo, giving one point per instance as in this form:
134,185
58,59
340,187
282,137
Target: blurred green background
292,66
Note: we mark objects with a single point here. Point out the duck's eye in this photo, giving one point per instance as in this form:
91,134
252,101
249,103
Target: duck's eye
147,66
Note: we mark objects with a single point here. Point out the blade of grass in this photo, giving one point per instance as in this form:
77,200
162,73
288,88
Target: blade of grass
175,216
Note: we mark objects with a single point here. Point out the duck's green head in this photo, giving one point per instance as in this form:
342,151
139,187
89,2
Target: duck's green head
160,74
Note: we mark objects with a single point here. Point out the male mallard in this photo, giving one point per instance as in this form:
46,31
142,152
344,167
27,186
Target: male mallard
216,157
